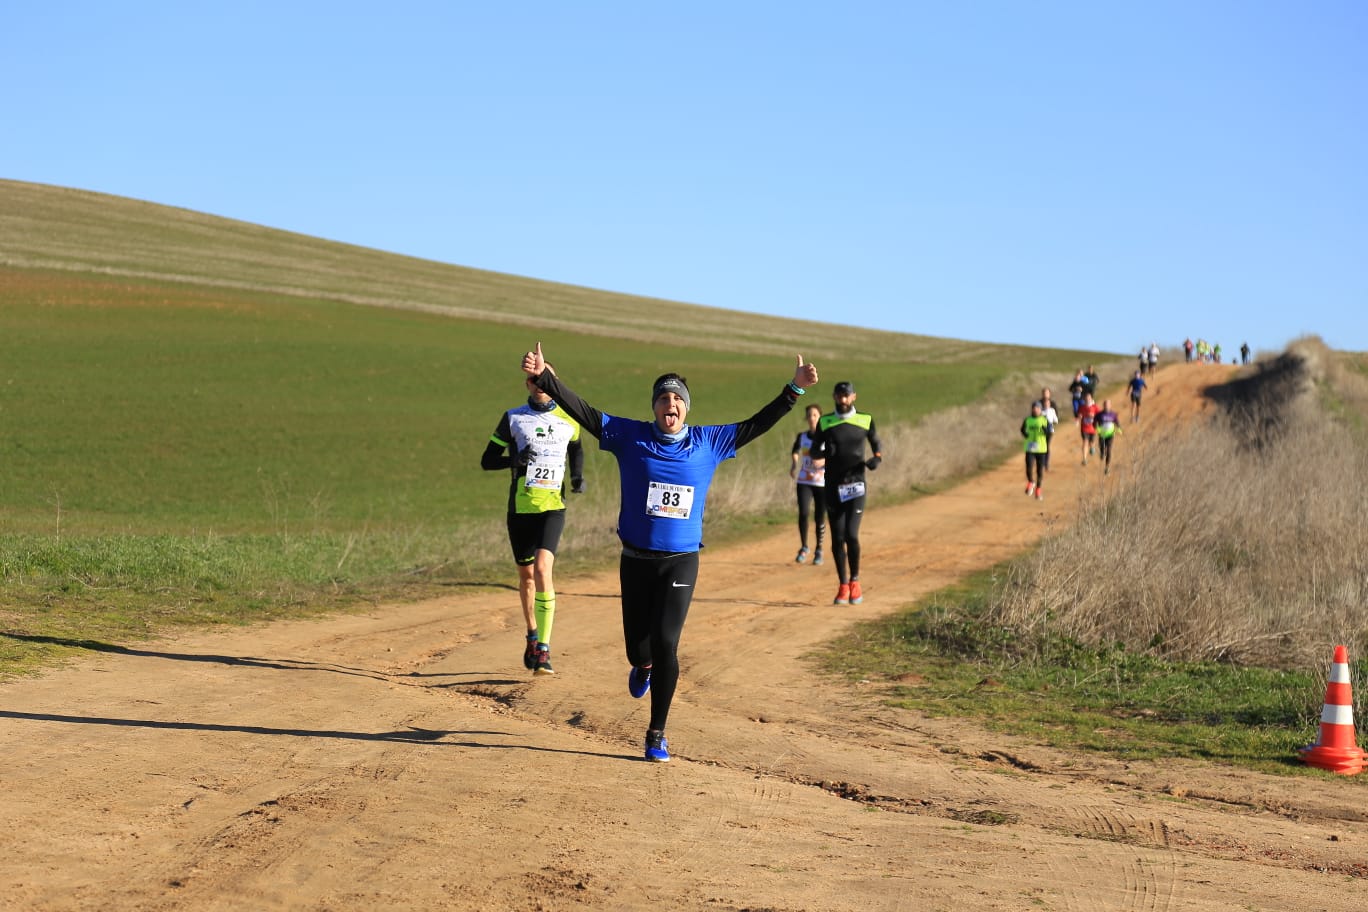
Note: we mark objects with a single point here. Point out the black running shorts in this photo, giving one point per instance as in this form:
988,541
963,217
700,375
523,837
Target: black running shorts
529,533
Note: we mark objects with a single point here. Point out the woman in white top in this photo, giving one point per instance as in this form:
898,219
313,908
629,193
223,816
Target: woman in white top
1047,411
811,481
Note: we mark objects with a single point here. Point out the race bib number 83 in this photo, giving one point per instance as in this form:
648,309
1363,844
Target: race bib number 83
670,501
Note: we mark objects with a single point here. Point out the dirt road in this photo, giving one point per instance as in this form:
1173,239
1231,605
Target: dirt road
405,760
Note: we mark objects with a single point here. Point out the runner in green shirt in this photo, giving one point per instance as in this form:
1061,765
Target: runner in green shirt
537,442
1035,428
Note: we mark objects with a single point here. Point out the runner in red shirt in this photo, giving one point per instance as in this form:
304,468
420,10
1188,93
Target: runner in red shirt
1087,425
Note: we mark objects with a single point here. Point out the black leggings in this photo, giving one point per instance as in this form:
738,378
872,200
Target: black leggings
811,499
1104,449
845,535
1035,462
656,593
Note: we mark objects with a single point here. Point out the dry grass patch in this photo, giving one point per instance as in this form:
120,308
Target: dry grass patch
1241,541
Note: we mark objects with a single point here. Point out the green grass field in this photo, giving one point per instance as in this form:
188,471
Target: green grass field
133,407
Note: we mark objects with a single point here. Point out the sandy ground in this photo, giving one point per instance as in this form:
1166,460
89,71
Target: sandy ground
405,760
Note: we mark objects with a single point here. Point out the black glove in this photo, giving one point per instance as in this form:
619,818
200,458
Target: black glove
872,462
577,485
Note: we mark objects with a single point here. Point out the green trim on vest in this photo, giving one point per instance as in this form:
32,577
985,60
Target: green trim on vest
859,419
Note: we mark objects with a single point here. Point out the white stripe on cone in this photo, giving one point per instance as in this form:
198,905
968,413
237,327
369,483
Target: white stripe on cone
1337,715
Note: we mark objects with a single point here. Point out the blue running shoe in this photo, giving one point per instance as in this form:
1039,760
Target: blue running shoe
657,751
639,681
530,652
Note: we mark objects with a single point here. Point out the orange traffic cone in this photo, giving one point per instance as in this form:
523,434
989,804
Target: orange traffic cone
1336,749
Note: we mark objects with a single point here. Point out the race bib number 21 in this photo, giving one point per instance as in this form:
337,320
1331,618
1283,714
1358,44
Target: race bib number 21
851,491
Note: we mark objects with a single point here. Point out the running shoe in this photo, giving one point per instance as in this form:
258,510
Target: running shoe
530,653
543,666
1040,495
842,595
802,555
856,596
657,751
817,558
1030,488
639,681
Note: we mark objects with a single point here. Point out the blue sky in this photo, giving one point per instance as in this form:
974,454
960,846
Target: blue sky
1073,174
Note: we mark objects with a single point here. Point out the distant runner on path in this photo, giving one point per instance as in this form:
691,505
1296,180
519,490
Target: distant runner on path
1087,425
537,441
1077,388
810,484
665,468
839,447
1108,426
1047,411
1035,428
1136,387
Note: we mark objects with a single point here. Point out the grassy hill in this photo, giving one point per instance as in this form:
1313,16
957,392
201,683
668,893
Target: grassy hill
57,228
203,418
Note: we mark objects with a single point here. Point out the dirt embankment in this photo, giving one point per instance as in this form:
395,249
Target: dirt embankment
405,760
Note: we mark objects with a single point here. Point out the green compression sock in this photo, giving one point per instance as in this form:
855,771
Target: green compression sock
544,610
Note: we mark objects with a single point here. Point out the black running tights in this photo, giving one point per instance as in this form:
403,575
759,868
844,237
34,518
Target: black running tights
656,593
811,500
1104,447
845,536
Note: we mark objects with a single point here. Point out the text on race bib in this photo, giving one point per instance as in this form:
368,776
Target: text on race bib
670,501
545,472
851,490
807,471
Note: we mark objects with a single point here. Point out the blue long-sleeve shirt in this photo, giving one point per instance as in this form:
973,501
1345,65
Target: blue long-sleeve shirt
664,483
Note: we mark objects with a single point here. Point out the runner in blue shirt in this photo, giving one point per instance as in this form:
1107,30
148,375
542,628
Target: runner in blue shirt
666,467
1136,386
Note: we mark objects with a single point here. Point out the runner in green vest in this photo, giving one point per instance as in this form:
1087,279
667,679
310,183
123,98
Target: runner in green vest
1035,428
540,445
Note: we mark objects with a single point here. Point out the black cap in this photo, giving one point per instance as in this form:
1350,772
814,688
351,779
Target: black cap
844,388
